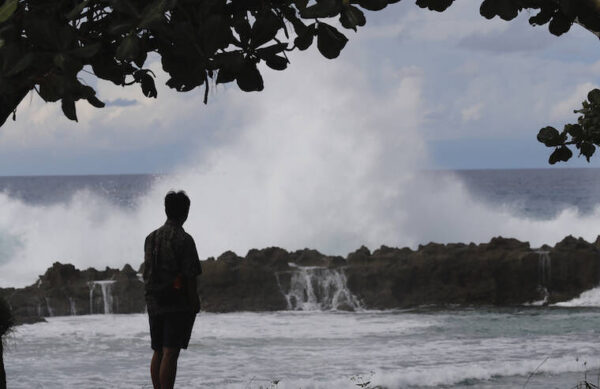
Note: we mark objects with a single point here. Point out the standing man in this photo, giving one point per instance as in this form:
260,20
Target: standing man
171,266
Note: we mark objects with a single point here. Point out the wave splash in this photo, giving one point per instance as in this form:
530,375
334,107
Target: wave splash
333,180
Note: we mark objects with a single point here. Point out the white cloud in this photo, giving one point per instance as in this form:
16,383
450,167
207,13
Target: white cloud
563,110
472,112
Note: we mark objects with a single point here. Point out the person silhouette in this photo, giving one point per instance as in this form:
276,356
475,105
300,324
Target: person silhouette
171,266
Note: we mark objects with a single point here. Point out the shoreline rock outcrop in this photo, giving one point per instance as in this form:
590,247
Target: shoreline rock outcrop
503,272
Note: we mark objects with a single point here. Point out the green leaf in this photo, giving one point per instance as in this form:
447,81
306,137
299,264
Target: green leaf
86,51
549,136
68,108
154,12
7,9
330,41
75,12
21,65
129,48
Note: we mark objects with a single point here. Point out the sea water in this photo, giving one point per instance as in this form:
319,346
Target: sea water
497,348
532,347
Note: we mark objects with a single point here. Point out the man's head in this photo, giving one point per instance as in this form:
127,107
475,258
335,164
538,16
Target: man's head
177,206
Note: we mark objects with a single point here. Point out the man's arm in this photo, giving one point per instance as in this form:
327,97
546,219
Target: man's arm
192,293
191,269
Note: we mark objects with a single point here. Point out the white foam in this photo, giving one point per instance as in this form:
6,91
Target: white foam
308,350
589,298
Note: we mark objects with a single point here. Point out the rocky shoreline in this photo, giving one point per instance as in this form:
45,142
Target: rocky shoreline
503,272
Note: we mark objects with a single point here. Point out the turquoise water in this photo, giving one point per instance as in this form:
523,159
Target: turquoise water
410,349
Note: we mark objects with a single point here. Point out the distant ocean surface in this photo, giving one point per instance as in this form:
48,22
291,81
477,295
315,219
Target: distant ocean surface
531,347
536,193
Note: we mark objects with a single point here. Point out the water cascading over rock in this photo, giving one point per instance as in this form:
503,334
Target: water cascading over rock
544,274
107,297
316,288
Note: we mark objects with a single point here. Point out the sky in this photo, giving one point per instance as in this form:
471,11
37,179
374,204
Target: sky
466,92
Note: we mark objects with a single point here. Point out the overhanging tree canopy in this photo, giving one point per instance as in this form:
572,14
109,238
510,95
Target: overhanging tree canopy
44,45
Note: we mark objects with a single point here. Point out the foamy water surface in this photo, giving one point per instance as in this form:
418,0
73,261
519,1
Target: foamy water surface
475,348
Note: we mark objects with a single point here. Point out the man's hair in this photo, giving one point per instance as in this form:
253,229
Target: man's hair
177,205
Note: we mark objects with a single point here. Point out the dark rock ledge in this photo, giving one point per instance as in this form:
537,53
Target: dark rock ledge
503,272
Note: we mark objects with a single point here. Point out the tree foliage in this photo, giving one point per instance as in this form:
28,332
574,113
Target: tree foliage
46,44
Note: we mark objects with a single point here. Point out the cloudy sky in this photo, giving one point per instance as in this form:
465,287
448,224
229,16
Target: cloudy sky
462,91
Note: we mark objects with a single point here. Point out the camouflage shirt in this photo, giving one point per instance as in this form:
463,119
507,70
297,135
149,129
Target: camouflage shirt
169,252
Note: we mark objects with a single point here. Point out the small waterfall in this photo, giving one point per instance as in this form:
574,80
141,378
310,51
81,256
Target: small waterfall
544,274
72,305
107,297
315,288
48,307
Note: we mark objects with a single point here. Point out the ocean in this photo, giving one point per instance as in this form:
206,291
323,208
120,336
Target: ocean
101,220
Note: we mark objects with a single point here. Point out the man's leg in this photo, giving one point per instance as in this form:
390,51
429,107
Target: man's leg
168,367
155,369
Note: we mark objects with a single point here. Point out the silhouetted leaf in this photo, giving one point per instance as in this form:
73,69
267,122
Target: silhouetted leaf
322,9
542,17
305,38
224,76
435,5
587,150
351,17
249,78
68,108
560,24
594,96
574,130
277,62
272,50
549,136
49,90
373,5
265,28
560,154
330,41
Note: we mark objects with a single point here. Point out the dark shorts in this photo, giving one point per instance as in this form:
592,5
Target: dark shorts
172,330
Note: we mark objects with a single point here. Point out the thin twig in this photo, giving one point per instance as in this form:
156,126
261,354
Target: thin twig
536,369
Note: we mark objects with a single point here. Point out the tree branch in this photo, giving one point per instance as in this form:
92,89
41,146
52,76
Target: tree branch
10,102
